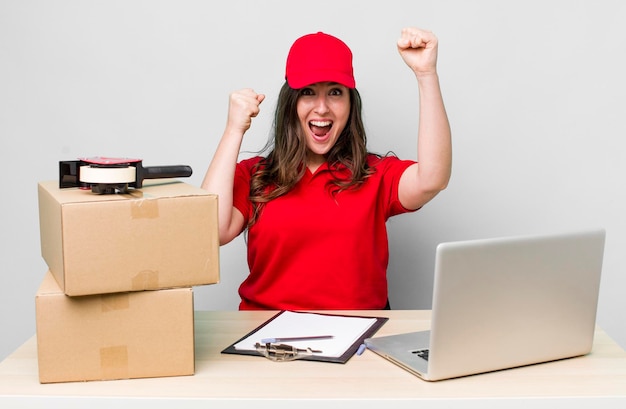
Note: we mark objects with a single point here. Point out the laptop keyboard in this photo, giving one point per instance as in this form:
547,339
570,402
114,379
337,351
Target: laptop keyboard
422,353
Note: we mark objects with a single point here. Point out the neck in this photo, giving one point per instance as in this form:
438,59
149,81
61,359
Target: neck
313,161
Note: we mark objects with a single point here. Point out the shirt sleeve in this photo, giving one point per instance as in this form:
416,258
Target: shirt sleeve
391,169
241,187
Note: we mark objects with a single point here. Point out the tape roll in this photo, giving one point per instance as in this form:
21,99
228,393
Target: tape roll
107,175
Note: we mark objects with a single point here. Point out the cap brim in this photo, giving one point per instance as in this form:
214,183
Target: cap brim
296,81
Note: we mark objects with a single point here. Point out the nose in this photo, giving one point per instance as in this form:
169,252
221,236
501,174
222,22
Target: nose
321,104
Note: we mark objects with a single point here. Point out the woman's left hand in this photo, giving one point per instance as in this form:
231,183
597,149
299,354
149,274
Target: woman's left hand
418,48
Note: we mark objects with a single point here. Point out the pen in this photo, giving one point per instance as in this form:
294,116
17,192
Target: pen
291,339
361,349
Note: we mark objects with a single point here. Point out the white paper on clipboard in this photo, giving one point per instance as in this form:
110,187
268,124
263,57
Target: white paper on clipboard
345,331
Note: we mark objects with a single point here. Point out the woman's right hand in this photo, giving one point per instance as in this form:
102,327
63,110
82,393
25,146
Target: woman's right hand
243,106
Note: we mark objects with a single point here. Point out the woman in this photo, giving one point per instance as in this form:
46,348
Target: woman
315,207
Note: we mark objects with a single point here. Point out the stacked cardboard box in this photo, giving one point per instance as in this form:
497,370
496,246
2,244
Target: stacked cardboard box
117,300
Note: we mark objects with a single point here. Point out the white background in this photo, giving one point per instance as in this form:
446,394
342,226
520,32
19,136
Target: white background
534,90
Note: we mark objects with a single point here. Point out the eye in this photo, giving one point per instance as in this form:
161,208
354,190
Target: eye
336,92
307,92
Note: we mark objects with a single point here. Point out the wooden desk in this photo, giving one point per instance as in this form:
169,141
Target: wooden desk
366,381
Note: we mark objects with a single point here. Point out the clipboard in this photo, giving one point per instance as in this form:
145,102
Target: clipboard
349,331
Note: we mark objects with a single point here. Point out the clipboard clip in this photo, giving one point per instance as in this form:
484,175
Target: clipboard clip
283,352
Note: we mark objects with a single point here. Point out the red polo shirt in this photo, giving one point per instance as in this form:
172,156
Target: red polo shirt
312,250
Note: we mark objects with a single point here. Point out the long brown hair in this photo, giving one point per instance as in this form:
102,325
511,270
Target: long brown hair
285,163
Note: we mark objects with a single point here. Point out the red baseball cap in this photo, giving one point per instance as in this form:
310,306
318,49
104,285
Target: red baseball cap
319,57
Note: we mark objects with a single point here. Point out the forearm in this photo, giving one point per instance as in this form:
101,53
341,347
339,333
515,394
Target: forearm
434,147
219,179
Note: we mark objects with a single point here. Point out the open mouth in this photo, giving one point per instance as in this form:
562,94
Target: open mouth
320,128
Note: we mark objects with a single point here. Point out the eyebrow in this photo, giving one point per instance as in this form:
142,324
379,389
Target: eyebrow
331,83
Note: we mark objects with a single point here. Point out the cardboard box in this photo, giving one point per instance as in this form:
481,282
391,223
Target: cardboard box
161,236
113,336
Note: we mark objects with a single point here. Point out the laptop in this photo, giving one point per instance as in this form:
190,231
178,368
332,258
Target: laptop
503,303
